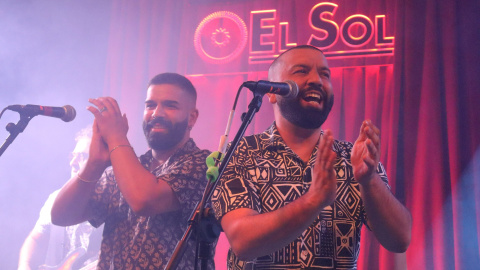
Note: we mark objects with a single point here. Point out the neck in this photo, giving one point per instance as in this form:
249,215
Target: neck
302,141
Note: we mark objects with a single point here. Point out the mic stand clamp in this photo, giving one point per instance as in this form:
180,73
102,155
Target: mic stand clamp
14,130
196,218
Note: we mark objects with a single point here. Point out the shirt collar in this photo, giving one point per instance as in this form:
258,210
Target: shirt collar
275,142
188,147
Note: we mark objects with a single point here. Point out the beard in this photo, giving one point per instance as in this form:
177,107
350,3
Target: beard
305,117
164,141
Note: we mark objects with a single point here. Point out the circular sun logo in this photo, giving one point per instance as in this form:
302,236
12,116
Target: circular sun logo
220,37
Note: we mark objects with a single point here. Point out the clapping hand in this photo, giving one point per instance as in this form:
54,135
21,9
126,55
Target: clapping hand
366,153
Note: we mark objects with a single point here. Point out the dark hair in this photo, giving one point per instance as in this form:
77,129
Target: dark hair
175,79
294,48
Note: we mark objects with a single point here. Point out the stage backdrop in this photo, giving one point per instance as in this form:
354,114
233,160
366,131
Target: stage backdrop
410,66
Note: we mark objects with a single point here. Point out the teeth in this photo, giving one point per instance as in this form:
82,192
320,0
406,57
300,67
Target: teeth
313,95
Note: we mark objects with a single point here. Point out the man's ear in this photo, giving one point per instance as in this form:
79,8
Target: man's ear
192,118
272,98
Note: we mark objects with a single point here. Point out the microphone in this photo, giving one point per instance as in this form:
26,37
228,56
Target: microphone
287,89
67,113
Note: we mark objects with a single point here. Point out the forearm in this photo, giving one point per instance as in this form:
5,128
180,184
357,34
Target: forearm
71,204
252,235
33,251
140,188
389,220
28,259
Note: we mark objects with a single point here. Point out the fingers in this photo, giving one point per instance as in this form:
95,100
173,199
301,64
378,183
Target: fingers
371,131
324,178
371,158
111,104
125,120
95,127
368,130
372,143
325,152
362,136
104,105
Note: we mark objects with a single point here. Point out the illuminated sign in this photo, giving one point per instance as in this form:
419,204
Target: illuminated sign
222,36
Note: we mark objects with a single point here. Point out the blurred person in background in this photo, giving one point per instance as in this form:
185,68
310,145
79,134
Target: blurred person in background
48,246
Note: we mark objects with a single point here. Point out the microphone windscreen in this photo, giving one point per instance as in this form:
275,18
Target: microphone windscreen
293,89
70,113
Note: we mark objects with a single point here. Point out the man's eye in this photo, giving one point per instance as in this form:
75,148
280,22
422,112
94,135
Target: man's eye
171,106
300,71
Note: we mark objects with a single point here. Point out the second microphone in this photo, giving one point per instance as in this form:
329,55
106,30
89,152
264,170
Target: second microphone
287,89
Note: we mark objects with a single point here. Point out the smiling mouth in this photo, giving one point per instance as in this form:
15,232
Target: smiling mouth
158,127
313,97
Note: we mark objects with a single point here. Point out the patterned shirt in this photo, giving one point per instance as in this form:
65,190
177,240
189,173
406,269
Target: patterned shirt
264,174
132,241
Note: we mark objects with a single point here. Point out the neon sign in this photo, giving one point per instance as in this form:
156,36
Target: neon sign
220,37
355,36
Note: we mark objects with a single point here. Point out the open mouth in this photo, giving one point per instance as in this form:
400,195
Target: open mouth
313,97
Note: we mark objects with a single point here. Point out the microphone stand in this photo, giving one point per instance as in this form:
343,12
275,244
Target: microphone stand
15,130
197,220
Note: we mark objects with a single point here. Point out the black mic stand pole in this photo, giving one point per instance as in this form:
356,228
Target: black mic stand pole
195,221
15,130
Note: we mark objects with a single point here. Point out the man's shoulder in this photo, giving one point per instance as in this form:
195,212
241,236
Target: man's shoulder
201,152
256,142
191,148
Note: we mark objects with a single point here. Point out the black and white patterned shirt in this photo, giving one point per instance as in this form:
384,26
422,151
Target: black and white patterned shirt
264,174
147,242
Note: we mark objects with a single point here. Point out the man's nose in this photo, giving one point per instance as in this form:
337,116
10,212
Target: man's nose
315,79
158,112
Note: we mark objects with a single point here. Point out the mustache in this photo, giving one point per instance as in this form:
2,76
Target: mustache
317,88
159,120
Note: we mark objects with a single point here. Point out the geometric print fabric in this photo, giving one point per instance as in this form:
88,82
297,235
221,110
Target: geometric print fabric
264,174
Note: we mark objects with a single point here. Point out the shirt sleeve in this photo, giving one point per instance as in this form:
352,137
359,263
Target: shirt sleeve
237,187
45,219
186,177
105,199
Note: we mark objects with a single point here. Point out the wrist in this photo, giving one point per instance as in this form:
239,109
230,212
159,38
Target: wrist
120,146
93,169
371,181
116,140
85,180
317,201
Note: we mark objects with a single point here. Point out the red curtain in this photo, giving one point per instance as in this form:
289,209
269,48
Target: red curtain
436,78
423,99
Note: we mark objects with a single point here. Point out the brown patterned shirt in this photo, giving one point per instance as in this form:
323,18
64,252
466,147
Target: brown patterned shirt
264,174
131,241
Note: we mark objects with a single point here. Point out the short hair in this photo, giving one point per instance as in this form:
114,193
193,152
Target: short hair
275,62
84,134
177,80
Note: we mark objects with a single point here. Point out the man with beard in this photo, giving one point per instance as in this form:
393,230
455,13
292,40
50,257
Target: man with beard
287,201
144,202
